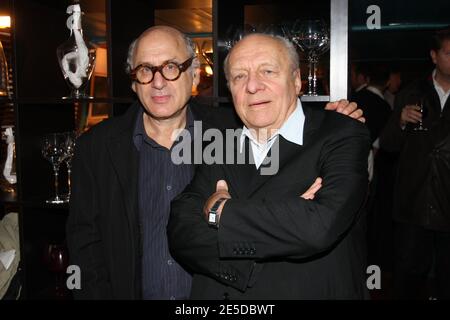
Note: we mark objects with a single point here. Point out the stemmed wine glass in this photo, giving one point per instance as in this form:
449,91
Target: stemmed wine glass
312,37
424,111
276,29
234,34
69,149
56,258
53,151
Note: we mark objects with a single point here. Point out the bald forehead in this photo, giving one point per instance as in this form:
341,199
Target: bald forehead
159,44
162,34
258,42
163,31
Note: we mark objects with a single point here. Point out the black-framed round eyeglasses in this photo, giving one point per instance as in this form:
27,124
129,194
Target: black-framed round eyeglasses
171,71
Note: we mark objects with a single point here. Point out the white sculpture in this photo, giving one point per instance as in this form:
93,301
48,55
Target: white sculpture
80,57
8,171
76,57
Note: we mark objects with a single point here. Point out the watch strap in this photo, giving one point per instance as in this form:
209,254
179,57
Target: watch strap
212,215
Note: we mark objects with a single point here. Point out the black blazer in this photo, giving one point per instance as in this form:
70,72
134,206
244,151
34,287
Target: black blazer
103,226
272,244
423,176
376,111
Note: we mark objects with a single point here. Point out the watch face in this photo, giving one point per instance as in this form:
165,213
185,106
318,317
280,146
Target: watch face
212,218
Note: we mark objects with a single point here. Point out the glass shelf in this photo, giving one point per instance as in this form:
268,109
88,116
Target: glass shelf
8,197
315,98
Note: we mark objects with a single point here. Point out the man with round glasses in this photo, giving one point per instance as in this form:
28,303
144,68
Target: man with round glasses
171,71
124,179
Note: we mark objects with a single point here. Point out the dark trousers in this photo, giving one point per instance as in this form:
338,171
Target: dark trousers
421,257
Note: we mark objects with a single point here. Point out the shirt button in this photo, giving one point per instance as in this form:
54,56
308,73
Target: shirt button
170,262
169,187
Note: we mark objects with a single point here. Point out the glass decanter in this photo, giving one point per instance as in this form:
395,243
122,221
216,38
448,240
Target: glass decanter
76,57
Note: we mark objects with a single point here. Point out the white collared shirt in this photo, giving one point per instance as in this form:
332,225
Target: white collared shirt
390,98
291,130
443,96
362,86
375,90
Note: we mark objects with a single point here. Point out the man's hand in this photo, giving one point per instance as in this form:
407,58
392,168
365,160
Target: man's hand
311,192
348,108
410,113
221,192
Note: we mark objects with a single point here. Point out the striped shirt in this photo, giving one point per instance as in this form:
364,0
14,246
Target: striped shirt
159,182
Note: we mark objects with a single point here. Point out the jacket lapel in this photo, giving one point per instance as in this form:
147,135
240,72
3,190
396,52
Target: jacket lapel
313,118
434,103
287,150
125,160
246,180
240,174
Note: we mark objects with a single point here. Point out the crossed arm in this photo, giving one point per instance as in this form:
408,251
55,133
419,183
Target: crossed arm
289,228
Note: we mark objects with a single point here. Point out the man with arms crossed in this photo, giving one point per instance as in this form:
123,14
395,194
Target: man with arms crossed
250,236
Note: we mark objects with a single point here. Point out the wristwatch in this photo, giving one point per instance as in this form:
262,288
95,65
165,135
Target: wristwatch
213,218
